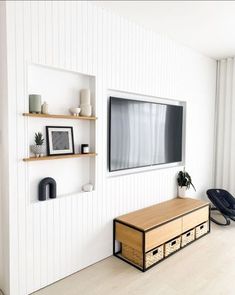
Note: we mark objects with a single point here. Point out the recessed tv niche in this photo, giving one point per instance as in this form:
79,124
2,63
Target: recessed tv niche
143,133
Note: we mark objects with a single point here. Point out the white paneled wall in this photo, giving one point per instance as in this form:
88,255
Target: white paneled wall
53,239
4,198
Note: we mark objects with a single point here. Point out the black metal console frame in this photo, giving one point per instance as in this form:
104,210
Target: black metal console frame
144,268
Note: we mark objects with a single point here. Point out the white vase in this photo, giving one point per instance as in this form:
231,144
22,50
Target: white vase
85,96
38,150
182,191
86,110
45,108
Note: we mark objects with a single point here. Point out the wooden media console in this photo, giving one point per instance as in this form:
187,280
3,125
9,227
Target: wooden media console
149,235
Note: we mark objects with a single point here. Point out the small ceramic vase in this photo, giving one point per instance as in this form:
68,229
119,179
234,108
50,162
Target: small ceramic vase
38,150
35,103
45,108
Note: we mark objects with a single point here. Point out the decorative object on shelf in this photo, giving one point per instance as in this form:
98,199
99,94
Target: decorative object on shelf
38,148
75,111
87,187
42,188
45,108
35,103
59,140
184,181
85,97
85,102
86,110
85,149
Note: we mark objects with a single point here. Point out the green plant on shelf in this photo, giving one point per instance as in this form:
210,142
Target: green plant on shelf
39,140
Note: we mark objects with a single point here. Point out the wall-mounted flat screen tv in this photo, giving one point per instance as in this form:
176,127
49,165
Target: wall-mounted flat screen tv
143,133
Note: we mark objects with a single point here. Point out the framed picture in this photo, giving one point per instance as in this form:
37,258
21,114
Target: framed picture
59,140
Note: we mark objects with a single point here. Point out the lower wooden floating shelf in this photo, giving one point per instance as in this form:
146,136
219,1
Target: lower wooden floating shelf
58,157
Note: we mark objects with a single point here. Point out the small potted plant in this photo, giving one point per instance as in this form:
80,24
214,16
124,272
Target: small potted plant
184,181
38,147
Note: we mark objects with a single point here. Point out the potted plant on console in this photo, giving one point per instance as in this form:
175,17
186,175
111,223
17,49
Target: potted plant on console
184,181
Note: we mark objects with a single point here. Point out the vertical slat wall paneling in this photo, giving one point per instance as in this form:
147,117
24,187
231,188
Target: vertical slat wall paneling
37,244
57,241
12,94
55,32
19,146
42,12
3,88
103,29
50,242
108,212
98,20
73,41
60,25
43,244
57,238
62,222
61,226
35,31
67,33
29,225
47,34
95,199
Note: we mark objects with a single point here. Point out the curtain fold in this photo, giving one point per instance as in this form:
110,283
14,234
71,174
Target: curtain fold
225,129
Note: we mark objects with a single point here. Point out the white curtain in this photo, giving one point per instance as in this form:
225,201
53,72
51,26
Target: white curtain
225,129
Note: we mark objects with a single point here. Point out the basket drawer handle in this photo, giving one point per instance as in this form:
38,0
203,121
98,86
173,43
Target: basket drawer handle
188,234
155,252
173,243
201,227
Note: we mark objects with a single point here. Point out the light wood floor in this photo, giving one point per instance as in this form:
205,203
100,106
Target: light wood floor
205,267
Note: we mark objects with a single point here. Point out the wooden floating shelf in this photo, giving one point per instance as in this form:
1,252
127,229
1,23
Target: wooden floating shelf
53,116
58,157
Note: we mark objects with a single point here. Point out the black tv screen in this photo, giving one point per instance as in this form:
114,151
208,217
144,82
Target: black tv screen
143,133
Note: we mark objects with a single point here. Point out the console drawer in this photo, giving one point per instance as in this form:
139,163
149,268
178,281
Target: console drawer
129,236
194,218
172,246
201,230
163,233
136,256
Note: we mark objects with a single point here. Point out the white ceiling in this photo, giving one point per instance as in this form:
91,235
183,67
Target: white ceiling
206,26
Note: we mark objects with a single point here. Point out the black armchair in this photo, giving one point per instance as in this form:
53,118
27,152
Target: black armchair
224,202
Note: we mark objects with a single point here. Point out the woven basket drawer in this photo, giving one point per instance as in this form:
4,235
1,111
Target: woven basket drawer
201,229
172,246
132,254
187,237
154,256
136,256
